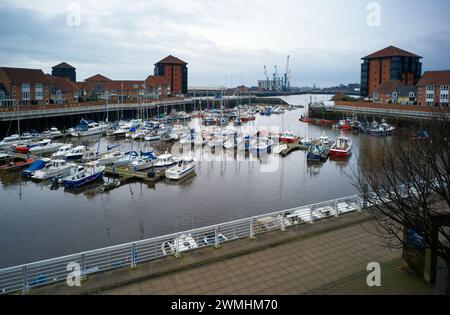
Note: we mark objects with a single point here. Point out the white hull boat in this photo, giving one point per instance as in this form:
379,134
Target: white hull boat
55,168
185,167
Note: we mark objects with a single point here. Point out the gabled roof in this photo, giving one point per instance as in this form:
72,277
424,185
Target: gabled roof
63,65
155,81
97,78
63,84
172,60
391,51
23,75
388,87
404,90
435,78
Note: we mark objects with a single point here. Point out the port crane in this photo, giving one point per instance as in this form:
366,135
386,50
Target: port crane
267,77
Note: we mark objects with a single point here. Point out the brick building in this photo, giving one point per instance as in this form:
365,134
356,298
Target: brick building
433,88
62,90
389,64
23,86
176,72
64,70
395,92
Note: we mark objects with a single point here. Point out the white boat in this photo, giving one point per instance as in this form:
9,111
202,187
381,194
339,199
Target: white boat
262,145
306,141
140,134
83,174
7,142
127,159
87,128
62,151
45,147
232,143
184,167
280,148
90,155
182,243
76,153
165,160
324,139
153,136
142,163
110,158
52,133
278,110
55,168
216,142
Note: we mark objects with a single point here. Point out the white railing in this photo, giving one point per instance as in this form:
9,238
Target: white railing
26,276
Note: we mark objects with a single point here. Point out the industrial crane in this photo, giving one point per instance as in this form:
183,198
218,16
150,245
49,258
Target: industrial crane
267,77
275,79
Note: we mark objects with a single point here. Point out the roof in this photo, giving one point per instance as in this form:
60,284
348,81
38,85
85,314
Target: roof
391,51
404,90
63,84
23,75
388,87
155,81
97,78
172,60
435,78
128,85
339,96
63,65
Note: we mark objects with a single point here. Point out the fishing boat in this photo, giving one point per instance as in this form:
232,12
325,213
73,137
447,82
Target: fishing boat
324,140
342,147
7,142
76,153
316,152
33,135
84,175
142,163
62,151
17,163
45,146
88,128
184,167
165,160
289,137
55,168
383,129
126,159
35,166
306,141
180,244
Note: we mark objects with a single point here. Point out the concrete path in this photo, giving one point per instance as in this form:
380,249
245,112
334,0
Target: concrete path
333,262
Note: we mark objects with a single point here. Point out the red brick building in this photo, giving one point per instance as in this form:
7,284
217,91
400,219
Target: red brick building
433,88
23,86
389,64
176,72
62,90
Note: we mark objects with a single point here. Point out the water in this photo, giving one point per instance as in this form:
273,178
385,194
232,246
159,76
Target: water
39,222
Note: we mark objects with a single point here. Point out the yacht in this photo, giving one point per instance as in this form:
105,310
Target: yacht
126,159
84,174
165,160
76,153
52,133
142,163
37,165
7,142
62,151
55,168
88,128
110,158
184,167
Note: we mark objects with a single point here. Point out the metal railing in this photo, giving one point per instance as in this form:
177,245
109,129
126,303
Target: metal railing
23,277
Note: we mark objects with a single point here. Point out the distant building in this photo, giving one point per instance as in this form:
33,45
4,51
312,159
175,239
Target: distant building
176,72
23,86
64,70
389,64
433,88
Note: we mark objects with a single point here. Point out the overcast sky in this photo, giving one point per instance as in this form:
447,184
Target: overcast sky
220,39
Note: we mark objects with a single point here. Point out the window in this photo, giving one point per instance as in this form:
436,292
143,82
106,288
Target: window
25,86
25,95
2,95
430,87
38,86
444,87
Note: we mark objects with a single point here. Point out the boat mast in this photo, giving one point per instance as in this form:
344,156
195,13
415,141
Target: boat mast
18,119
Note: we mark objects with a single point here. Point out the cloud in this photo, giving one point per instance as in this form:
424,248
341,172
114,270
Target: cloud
219,39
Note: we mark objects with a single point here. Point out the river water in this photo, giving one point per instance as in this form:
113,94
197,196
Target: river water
38,221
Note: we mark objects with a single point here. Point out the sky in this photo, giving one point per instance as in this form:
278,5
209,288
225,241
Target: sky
223,42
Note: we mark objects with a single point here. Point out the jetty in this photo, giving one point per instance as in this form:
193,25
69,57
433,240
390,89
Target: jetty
126,174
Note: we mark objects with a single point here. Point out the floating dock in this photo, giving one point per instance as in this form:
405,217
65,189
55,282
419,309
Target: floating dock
291,147
126,174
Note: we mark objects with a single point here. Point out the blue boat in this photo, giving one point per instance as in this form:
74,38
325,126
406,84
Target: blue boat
316,152
37,165
84,175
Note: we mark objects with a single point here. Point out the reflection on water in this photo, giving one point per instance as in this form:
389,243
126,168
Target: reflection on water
38,221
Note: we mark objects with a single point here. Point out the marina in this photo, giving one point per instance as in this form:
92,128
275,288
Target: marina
228,185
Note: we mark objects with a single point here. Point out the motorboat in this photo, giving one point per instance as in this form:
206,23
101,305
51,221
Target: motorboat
55,168
342,147
7,142
45,146
126,159
62,151
316,152
37,165
142,163
278,110
184,167
16,163
153,136
140,134
165,160
182,243
52,133
279,148
84,175
76,153
324,139
383,129
88,128
289,137
306,141
261,145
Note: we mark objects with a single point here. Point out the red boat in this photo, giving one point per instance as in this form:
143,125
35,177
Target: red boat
306,120
247,118
17,163
289,137
24,149
342,147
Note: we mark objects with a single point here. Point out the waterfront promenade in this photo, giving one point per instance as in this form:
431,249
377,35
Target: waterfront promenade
329,257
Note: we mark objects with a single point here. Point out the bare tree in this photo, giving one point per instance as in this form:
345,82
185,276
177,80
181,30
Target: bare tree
407,185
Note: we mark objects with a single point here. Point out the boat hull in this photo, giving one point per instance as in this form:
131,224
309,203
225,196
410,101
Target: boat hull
84,181
340,153
180,175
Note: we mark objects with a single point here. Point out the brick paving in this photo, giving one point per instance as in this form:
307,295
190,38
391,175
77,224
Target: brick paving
333,262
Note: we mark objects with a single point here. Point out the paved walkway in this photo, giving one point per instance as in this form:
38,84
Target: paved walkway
333,262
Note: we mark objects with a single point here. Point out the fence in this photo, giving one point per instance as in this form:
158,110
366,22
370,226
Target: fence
24,277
